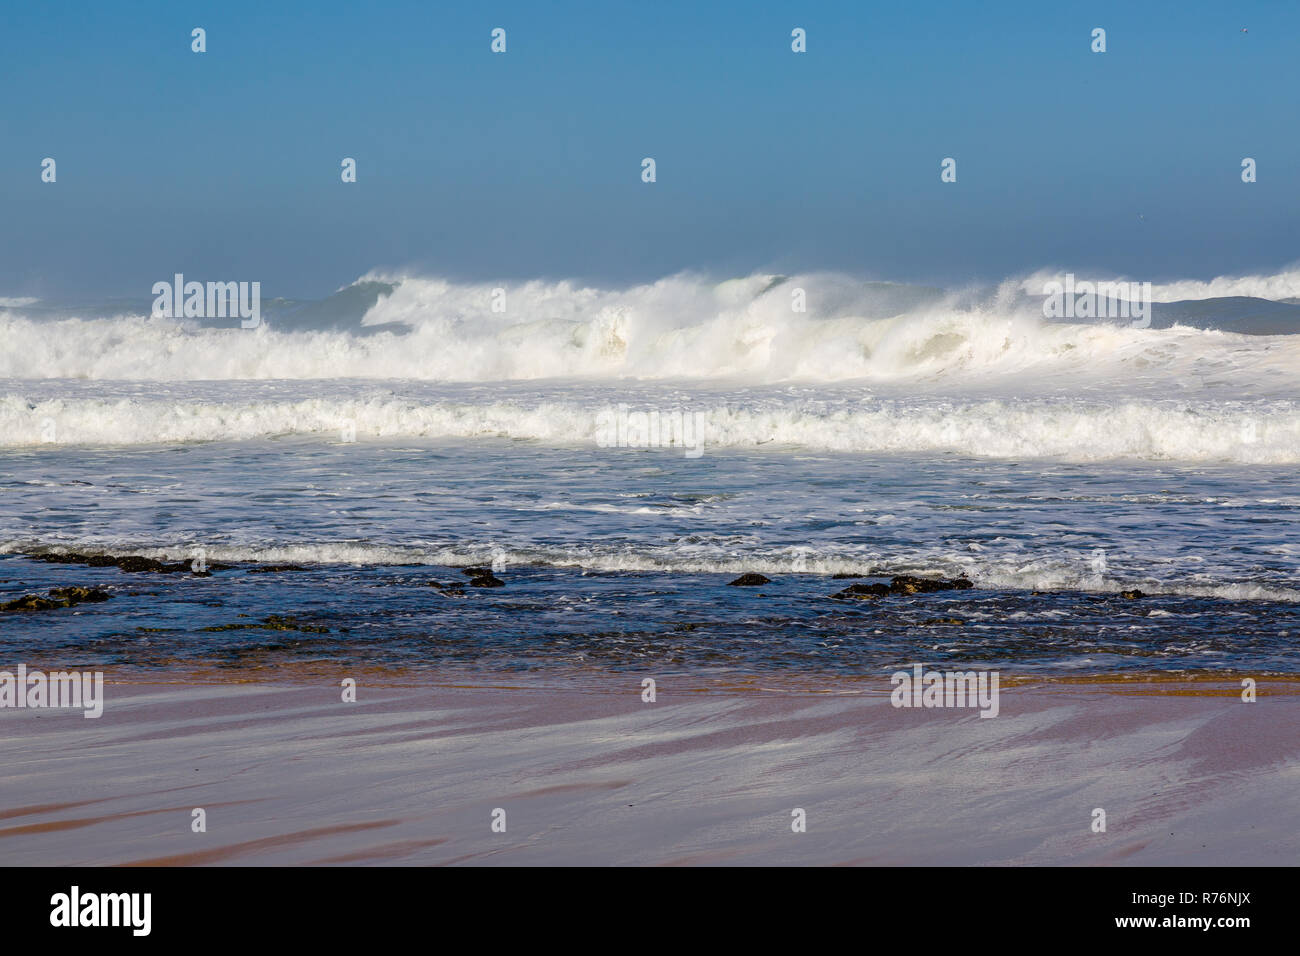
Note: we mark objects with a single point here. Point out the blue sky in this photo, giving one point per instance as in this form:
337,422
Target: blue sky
225,165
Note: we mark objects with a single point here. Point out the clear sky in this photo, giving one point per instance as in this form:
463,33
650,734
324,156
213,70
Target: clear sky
225,165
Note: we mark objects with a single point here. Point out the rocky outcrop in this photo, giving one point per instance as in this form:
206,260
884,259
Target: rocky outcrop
131,563
59,597
903,584
483,578
272,622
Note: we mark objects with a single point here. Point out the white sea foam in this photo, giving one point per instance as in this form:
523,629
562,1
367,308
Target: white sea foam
682,327
1008,573
917,371
1263,432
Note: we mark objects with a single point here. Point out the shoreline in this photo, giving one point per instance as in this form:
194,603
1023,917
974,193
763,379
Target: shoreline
733,680
593,679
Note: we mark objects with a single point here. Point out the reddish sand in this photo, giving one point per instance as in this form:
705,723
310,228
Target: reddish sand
589,774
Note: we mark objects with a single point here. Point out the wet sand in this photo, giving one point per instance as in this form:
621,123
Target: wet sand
588,773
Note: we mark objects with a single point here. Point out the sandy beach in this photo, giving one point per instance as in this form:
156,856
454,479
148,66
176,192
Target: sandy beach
587,773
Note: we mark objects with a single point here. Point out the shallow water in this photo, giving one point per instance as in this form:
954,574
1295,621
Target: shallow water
617,557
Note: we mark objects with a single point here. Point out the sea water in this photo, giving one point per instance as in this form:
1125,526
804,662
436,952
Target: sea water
386,439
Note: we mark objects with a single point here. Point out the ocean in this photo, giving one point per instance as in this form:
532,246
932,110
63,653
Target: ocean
1101,496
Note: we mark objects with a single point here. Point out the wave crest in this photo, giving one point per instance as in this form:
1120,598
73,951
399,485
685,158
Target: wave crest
682,327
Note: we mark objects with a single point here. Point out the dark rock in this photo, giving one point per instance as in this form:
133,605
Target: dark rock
908,584
863,591
130,563
276,622
749,579
59,597
275,568
134,564
30,602
33,602
942,620
80,595
273,622
1132,595
903,584
844,575
482,578
451,589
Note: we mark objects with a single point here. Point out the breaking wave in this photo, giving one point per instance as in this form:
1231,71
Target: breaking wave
1260,432
1061,574
681,327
